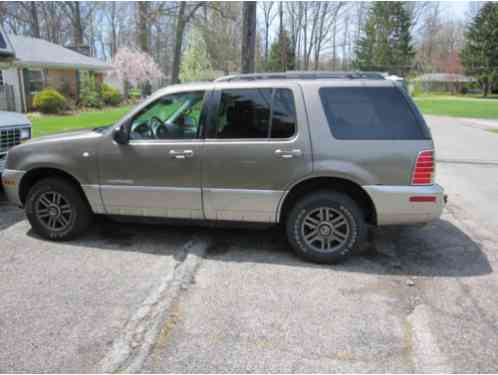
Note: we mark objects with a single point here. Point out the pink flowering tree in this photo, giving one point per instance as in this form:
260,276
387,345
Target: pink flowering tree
135,67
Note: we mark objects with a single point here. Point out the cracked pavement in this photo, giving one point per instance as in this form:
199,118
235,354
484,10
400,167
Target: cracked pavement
130,297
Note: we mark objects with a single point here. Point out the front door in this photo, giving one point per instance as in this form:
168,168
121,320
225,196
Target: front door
158,173
257,145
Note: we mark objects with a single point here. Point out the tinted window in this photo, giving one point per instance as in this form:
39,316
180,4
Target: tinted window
369,113
3,45
244,114
283,123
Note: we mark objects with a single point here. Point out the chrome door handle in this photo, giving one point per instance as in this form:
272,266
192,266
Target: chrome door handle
181,154
288,154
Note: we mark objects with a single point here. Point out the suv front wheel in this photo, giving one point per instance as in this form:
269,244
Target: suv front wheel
326,227
56,210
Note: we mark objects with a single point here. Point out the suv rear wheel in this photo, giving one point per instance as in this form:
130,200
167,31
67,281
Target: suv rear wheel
56,210
326,227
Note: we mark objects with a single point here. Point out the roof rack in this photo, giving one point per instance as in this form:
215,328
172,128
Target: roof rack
301,75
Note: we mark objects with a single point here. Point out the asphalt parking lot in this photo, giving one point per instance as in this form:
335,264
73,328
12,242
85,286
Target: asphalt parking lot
133,297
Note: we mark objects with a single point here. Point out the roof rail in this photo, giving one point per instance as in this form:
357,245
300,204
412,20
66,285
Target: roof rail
301,75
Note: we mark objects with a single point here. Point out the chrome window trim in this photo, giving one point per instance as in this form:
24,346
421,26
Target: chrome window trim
165,142
252,140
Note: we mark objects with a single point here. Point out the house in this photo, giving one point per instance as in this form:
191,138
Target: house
450,82
38,63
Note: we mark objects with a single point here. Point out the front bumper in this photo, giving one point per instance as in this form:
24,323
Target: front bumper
3,159
394,204
11,182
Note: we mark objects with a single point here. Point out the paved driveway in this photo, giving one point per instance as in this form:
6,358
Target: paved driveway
141,298
62,304
469,165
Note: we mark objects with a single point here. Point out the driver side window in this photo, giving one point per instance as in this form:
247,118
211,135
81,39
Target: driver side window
175,116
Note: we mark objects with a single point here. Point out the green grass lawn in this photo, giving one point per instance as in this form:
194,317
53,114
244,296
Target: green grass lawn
45,124
458,106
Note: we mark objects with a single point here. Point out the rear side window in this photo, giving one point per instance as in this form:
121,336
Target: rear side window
244,114
369,113
256,114
283,122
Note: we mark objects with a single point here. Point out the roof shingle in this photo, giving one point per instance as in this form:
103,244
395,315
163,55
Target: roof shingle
33,51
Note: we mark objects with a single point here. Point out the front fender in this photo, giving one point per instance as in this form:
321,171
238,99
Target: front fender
76,156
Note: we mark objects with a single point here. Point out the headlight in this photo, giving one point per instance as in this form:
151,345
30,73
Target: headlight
25,134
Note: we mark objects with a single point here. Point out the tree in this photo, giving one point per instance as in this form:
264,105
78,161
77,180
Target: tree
221,32
195,63
275,60
73,12
143,25
282,43
268,17
35,22
54,22
247,59
480,52
386,43
185,14
429,28
133,66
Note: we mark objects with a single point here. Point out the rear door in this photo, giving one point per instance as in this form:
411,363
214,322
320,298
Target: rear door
257,144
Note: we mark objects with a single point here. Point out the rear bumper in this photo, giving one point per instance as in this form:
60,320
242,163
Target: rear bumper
11,181
394,206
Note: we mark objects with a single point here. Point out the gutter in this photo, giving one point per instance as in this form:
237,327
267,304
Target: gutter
37,64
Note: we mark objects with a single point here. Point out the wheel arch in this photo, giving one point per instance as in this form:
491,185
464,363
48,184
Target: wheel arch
338,184
34,175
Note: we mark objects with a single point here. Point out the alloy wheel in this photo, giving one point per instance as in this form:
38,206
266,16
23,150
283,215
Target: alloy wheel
325,229
53,211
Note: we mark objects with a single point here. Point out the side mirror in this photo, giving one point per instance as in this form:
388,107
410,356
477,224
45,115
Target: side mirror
120,135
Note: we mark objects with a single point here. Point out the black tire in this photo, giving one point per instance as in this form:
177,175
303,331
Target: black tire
343,240
72,213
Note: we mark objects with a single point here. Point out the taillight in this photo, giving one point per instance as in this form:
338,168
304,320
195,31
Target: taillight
423,172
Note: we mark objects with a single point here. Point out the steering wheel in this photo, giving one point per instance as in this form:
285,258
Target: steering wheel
158,127
141,131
